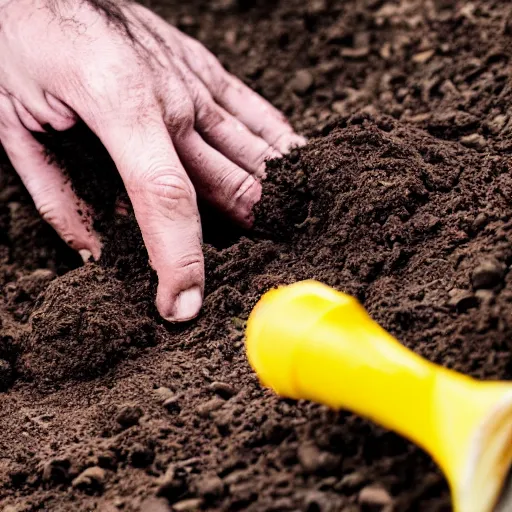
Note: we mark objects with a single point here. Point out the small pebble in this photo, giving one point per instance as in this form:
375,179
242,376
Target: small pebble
223,389
475,140
129,415
91,479
480,220
462,300
497,124
373,495
351,482
164,393
314,460
488,274
423,57
486,297
204,410
186,505
302,82
355,53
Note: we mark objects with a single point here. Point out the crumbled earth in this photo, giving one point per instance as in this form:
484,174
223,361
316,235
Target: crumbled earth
402,198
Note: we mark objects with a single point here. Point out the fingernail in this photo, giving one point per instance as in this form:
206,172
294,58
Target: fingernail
85,254
187,305
297,142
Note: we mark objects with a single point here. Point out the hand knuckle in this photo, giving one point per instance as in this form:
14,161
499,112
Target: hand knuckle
181,121
168,185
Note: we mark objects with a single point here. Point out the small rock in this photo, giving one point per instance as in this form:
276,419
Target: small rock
204,410
497,124
210,488
316,6
351,482
164,393
423,57
385,51
486,297
480,220
6,375
186,505
129,415
355,53
223,389
92,479
488,274
475,140
302,82
314,460
462,300
154,505
373,495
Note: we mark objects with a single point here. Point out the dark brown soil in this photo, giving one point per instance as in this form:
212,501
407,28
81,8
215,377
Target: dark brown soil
402,198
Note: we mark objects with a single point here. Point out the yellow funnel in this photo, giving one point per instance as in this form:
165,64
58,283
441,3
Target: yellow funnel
308,341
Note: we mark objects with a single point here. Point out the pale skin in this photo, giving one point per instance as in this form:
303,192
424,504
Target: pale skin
175,122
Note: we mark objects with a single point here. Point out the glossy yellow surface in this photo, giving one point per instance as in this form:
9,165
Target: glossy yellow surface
308,341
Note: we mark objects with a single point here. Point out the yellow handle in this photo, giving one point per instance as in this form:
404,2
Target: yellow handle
309,341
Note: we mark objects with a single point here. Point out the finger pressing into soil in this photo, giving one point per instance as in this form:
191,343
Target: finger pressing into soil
164,203
218,180
51,192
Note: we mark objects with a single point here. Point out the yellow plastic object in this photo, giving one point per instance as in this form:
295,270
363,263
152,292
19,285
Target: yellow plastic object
308,341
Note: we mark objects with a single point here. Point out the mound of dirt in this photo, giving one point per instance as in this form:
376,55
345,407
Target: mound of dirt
81,325
401,198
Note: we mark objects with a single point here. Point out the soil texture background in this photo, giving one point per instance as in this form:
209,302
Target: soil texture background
402,198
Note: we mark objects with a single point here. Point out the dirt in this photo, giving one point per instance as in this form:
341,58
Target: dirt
402,198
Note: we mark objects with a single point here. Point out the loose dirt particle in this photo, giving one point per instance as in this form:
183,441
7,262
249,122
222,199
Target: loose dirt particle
129,415
462,300
488,274
205,409
222,389
314,460
92,479
302,82
187,505
475,140
373,495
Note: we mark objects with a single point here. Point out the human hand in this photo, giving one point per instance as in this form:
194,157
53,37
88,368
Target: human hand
174,121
